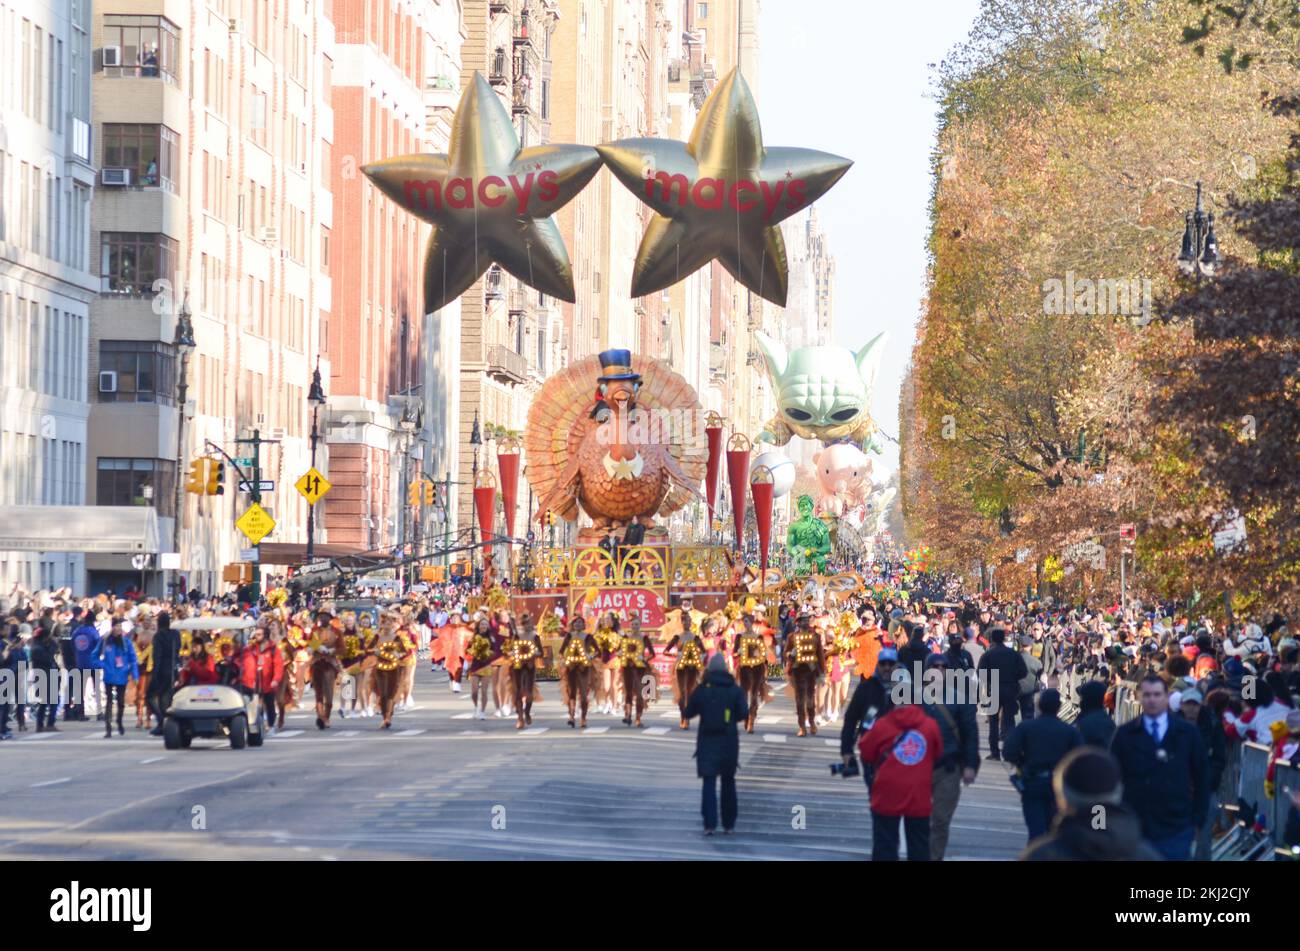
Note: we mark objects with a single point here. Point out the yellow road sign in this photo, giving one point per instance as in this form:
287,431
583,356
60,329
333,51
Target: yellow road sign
256,523
312,486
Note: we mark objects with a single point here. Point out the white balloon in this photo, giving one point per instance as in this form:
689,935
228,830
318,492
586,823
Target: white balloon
783,471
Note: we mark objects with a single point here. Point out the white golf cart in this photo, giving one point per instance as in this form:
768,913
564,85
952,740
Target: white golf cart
213,711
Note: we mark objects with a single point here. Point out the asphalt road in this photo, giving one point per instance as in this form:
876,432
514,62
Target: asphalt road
442,785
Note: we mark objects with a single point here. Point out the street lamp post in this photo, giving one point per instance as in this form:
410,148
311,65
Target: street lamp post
185,346
316,396
1200,249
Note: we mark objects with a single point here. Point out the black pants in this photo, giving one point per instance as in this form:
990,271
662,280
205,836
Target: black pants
112,691
4,717
884,837
709,802
158,699
1027,706
1006,716
1038,803
269,708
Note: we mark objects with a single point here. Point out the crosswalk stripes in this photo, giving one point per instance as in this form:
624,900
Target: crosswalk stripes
774,737
655,730
408,732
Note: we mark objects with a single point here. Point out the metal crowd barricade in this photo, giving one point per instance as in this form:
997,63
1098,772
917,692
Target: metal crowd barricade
1243,843
1285,778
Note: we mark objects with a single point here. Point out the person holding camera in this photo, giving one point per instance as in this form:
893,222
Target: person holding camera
899,754
720,705
871,699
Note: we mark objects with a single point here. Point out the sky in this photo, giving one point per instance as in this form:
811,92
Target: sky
854,78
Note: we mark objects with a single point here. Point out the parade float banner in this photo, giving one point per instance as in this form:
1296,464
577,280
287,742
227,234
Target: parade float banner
508,467
738,448
824,393
713,433
719,196
489,201
763,488
649,604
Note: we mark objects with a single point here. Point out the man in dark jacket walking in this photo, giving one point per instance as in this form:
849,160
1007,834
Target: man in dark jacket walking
1210,725
720,705
45,654
1093,722
1087,785
959,762
912,655
1001,670
166,663
1165,770
871,699
1036,746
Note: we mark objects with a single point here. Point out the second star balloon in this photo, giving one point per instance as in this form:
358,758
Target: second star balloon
720,195
489,201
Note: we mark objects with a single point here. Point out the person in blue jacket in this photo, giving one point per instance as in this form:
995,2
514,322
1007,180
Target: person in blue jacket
117,660
85,642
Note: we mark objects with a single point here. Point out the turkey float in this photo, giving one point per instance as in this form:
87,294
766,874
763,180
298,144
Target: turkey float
629,449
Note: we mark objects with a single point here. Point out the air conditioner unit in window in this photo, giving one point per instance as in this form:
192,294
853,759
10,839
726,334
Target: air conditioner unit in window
236,25
277,432
108,381
112,56
115,176
270,235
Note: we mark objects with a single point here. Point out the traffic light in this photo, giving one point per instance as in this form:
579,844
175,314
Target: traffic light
413,494
197,478
428,492
216,477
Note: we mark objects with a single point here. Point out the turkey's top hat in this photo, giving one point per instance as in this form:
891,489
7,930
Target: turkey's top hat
617,365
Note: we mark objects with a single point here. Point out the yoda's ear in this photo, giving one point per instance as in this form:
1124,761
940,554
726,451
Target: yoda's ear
774,353
868,359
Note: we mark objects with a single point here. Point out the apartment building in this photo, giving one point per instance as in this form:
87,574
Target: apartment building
213,125
392,404
47,283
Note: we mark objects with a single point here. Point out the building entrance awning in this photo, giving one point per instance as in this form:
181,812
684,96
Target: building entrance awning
295,553
105,529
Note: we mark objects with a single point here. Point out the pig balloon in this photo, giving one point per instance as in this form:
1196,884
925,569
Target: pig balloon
843,479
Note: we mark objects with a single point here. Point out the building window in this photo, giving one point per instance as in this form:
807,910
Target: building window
137,482
148,150
130,262
146,372
702,11
148,47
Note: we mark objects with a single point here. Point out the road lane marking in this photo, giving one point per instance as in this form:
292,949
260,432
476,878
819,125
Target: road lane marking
285,734
534,731
408,732
655,730
51,782
151,759
594,729
774,737
463,716
348,733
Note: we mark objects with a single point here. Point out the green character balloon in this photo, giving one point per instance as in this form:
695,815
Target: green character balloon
808,540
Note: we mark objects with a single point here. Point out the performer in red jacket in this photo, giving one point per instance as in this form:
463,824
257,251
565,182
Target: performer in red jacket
902,749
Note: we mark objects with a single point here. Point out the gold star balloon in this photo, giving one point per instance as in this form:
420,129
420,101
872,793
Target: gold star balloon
720,195
489,201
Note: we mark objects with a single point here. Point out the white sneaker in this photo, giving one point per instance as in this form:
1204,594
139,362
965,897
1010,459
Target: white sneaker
480,715
455,687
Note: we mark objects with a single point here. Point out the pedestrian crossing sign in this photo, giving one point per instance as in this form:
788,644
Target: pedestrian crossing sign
256,523
312,486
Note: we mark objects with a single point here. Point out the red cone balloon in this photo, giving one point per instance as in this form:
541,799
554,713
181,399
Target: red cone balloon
738,447
713,432
485,497
508,466
762,491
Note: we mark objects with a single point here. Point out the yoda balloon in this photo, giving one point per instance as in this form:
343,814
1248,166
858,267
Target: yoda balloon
824,393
